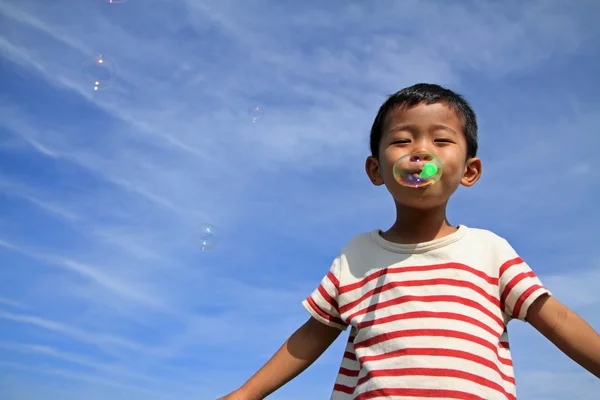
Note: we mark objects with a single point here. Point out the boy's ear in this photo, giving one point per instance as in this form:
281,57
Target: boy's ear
373,172
472,172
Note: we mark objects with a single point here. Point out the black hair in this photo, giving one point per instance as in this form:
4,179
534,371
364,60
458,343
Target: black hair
429,94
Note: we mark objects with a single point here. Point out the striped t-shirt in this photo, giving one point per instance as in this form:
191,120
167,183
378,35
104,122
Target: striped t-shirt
428,321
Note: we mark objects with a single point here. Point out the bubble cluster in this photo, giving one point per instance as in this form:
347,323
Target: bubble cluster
256,113
98,72
419,169
206,237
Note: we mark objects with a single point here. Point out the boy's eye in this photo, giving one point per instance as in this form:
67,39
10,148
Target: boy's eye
401,141
443,141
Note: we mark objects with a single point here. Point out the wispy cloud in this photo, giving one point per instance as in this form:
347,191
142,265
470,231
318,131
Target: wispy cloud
124,390
126,290
74,333
51,352
101,192
11,303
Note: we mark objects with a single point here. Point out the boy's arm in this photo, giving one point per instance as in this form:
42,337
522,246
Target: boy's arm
567,330
297,353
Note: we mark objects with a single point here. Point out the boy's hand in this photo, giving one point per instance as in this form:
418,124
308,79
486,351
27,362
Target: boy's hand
567,330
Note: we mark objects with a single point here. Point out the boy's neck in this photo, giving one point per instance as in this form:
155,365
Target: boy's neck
414,226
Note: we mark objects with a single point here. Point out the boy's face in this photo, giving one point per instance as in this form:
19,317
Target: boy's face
435,128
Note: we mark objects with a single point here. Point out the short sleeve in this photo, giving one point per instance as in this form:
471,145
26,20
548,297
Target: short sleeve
322,304
519,285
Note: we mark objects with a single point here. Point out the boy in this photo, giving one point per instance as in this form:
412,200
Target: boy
427,302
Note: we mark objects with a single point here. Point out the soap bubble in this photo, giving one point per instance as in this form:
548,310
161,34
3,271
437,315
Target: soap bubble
115,1
98,71
256,113
206,237
418,169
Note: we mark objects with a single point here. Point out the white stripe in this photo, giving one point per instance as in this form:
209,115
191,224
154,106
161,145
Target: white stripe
426,382
439,306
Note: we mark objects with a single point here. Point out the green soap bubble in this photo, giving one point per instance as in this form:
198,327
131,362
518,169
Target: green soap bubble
429,170
418,169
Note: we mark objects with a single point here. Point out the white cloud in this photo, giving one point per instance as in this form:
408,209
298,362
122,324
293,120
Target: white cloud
124,289
72,332
101,192
11,303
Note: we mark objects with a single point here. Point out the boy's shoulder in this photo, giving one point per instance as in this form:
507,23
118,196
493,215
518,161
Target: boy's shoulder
490,238
486,235
482,235
474,241
360,239
365,253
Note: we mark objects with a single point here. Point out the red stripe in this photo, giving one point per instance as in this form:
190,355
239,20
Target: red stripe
431,314
440,353
524,296
322,313
436,373
431,332
343,388
504,345
350,356
422,268
417,393
514,282
510,263
348,372
333,280
425,282
429,299
328,297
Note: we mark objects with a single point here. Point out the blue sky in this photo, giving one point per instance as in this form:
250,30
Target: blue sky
102,291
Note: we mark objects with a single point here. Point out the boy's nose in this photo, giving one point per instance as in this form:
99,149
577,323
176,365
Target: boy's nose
423,143
421,154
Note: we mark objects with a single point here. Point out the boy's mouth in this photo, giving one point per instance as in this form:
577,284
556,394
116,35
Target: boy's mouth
417,170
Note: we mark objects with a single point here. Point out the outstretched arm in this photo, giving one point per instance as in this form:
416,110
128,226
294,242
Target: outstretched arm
567,330
297,353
